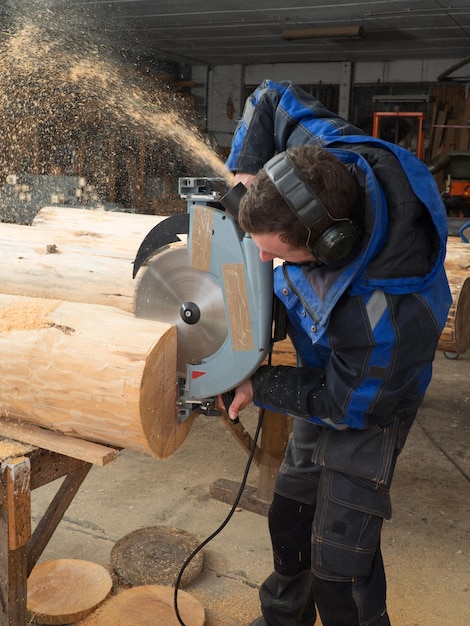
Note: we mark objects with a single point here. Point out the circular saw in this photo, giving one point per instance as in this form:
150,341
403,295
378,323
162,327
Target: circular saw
214,288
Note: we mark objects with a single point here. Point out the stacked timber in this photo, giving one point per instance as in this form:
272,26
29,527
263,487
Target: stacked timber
76,360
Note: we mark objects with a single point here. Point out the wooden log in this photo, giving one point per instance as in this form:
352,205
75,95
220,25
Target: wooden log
455,336
50,241
40,266
93,372
96,222
54,260
457,256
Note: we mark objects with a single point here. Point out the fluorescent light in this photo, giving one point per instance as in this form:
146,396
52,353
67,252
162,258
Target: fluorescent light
323,33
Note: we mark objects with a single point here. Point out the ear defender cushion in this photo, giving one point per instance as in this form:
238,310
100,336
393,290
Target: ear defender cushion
338,245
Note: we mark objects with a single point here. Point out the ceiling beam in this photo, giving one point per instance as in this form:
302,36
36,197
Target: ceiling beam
323,33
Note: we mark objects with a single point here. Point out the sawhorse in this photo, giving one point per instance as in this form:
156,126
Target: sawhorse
23,468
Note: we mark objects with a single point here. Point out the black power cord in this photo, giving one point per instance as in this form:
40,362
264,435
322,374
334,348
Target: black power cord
224,523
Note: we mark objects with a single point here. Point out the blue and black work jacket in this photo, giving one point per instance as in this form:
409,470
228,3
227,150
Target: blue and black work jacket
366,334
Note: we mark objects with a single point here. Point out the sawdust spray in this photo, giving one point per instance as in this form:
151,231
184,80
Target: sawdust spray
62,85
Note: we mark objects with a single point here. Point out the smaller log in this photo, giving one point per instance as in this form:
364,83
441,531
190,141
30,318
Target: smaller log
455,336
48,264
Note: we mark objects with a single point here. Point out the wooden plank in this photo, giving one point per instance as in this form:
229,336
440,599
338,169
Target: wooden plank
87,451
227,490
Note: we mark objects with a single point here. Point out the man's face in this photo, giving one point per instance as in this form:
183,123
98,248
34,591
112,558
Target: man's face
271,247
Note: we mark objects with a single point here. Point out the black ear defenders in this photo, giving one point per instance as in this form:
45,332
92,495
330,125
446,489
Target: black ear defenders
337,245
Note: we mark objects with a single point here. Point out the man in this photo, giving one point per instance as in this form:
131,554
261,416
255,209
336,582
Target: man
361,228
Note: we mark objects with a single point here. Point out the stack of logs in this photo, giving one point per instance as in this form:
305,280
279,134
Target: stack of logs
75,358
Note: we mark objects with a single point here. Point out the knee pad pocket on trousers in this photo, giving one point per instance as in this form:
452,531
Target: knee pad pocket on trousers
290,524
347,526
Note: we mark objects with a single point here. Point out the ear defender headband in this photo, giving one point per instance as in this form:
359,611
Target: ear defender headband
337,245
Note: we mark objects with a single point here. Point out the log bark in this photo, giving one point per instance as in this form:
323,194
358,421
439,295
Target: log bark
93,372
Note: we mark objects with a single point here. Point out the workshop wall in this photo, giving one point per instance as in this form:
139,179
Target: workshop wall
411,85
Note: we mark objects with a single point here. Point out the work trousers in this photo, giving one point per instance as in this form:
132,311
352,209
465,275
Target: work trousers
331,496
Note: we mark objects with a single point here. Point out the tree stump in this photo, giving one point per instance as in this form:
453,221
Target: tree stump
155,555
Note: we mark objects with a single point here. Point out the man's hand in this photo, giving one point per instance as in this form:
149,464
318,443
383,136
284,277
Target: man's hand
242,399
243,177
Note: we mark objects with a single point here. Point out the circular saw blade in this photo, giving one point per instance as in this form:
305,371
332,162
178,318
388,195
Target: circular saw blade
173,292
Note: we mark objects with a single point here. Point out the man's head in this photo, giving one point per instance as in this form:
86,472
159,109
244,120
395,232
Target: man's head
266,210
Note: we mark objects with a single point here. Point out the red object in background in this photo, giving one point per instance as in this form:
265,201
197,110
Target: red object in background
458,188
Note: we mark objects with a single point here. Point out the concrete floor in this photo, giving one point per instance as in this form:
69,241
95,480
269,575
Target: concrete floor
426,544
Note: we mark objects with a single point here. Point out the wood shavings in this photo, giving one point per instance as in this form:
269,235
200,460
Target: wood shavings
26,314
10,449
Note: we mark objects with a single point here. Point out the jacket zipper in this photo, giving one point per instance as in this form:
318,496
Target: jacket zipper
302,301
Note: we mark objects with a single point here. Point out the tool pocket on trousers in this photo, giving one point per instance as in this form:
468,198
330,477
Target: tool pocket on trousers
369,454
347,526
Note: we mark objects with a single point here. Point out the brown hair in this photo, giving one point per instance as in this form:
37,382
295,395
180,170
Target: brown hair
263,209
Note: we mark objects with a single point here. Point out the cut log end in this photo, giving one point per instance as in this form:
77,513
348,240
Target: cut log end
158,399
455,336
148,606
66,590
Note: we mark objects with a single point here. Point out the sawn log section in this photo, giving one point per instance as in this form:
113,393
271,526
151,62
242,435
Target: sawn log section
90,371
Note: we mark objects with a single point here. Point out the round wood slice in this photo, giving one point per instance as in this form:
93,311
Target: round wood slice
66,590
155,555
150,605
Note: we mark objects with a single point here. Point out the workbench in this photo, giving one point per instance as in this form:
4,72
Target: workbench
31,457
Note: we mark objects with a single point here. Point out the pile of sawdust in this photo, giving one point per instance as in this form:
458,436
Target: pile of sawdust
26,314
10,449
